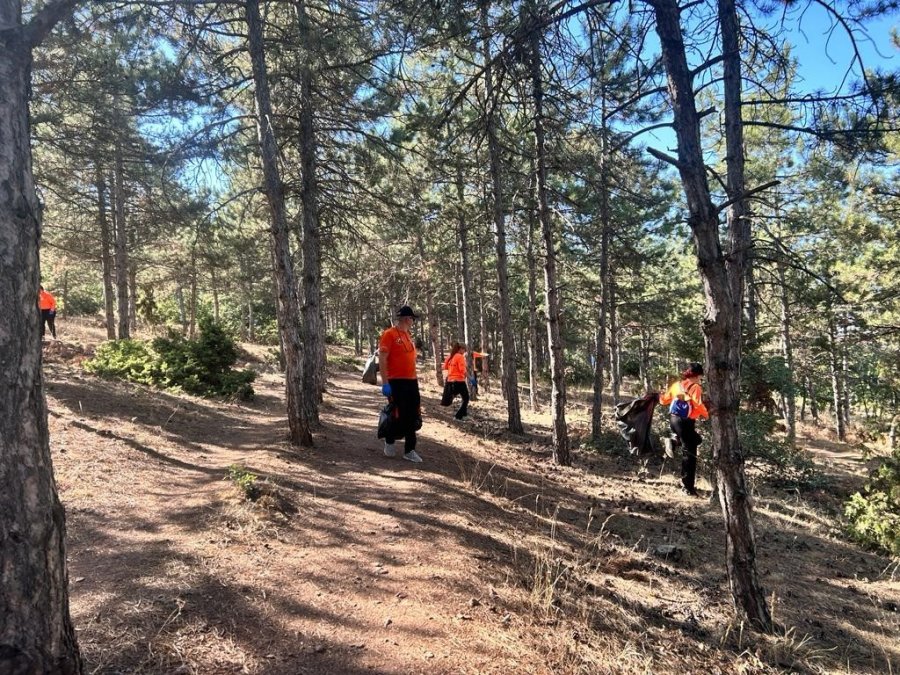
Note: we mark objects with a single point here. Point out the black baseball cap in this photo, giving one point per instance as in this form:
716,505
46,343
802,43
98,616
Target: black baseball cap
406,310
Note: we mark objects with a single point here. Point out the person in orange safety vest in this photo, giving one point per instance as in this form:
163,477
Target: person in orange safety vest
685,400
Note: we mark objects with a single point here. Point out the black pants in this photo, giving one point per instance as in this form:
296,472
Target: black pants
690,440
454,388
405,394
48,318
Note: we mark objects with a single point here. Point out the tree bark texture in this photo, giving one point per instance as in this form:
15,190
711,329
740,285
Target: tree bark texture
600,347
533,335
313,333
787,352
837,382
551,288
288,308
36,633
105,257
723,280
434,325
615,360
465,272
121,246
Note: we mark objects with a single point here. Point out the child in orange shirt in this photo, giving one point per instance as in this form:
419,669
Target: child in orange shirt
455,365
47,305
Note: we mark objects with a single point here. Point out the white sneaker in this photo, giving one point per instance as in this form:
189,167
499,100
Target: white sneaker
413,456
668,449
389,450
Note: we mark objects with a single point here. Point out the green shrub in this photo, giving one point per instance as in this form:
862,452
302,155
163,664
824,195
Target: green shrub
874,517
202,366
132,360
82,303
339,336
244,480
267,332
779,462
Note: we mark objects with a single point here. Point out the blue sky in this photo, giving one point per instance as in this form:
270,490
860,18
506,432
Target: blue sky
824,54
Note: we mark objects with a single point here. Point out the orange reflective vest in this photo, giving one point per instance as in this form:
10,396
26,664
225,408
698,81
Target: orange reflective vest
692,393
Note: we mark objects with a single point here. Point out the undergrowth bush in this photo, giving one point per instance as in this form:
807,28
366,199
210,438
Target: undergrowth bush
874,517
779,463
339,336
202,366
245,481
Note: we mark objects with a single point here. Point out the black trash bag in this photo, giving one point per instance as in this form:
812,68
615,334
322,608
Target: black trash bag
371,369
386,419
634,419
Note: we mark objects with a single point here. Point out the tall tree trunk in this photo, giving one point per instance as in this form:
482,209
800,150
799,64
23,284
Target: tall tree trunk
723,283
551,288
288,309
192,304
482,319
105,257
434,326
465,273
182,312
645,359
121,247
313,335
845,369
65,295
615,361
787,352
214,282
813,403
751,303
36,634
837,384
132,282
533,336
600,351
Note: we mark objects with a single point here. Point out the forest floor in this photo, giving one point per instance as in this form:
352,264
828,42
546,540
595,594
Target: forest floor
486,558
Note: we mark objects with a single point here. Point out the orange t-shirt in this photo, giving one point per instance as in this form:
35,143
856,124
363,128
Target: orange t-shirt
456,368
401,354
46,301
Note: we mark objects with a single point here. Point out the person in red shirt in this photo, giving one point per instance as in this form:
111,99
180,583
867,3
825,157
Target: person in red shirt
685,401
455,365
397,365
47,305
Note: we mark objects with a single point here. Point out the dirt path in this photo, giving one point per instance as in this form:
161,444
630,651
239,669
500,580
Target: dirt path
484,559
379,566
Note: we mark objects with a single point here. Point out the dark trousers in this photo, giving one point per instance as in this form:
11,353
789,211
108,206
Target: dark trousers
405,394
686,431
48,318
461,389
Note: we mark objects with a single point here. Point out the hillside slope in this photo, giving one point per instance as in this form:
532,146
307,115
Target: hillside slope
484,559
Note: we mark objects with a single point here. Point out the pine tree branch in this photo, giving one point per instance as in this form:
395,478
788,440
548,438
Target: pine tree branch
746,194
43,22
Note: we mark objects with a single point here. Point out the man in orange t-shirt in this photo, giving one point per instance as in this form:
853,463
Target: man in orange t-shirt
47,305
397,365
